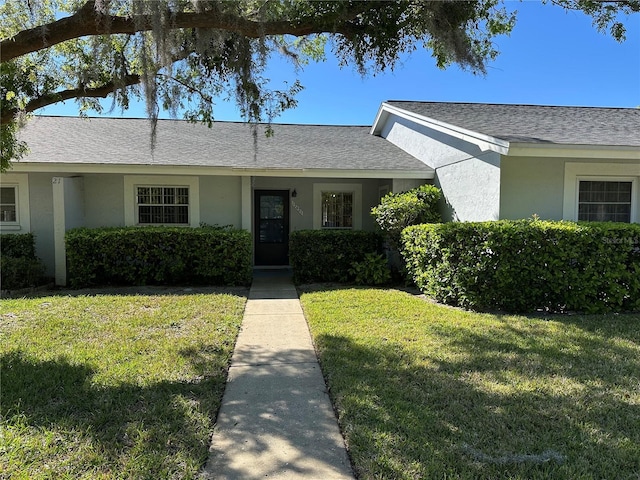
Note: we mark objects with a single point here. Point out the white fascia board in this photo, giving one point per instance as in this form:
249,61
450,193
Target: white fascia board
574,151
381,118
484,142
79,169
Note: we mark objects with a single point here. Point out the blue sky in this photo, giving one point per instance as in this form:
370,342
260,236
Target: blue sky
552,57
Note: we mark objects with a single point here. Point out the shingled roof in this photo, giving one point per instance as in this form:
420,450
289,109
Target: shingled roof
536,123
121,141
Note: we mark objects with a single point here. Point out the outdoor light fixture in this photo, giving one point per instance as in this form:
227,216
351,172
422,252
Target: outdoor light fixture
294,194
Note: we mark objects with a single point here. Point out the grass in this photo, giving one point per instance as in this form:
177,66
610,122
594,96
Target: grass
427,391
112,386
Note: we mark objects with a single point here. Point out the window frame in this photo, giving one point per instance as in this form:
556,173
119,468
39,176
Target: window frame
20,183
16,206
354,188
630,180
322,212
161,205
575,172
132,182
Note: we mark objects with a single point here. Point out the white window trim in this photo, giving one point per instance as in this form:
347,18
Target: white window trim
609,172
23,218
132,182
355,188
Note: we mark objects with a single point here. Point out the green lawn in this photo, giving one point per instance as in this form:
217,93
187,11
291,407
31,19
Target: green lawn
112,386
425,391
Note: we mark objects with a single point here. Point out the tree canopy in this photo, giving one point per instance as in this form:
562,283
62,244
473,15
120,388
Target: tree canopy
178,55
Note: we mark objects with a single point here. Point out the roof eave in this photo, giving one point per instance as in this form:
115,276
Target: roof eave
556,150
63,169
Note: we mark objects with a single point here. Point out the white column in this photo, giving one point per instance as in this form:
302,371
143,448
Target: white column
246,204
59,227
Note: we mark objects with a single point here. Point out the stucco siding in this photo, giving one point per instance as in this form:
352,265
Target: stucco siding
104,200
41,201
531,186
220,200
430,146
470,190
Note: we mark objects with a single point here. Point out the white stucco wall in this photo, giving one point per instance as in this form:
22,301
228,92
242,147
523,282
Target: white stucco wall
468,175
471,190
104,200
220,200
531,186
41,201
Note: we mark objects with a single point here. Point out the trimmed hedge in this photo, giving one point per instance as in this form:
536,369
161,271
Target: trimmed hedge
19,266
18,245
158,256
328,255
527,265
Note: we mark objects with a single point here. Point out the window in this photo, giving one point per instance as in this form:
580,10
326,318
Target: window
337,209
162,205
601,191
604,201
8,204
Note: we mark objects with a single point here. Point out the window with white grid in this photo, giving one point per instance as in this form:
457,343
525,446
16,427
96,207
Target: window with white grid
604,201
9,204
337,209
161,205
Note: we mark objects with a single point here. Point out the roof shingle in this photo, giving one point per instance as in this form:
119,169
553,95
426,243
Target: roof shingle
537,123
123,141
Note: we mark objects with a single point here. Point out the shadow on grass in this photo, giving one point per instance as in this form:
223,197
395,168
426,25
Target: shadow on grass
505,405
128,431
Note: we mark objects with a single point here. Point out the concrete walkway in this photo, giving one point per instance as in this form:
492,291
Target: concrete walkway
276,420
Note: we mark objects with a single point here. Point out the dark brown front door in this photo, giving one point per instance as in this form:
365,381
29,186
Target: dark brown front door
271,218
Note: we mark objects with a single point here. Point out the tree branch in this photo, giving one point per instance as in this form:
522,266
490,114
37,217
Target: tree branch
97,92
89,22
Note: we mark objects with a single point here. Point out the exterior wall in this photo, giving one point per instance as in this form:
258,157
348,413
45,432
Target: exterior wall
303,216
468,176
220,201
399,185
41,201
104,200
547,186
531,186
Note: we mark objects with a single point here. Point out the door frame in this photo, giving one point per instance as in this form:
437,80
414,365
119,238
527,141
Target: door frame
284,256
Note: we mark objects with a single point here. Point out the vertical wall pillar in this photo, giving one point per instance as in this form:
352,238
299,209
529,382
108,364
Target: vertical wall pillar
59,223
68,212
246,203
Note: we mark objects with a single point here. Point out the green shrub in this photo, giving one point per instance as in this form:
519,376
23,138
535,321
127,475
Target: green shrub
158,255
328,255
17,245
372,270
522,266
19,266
20,272
400,210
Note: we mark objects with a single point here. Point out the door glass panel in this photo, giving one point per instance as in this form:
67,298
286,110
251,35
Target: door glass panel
272,219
